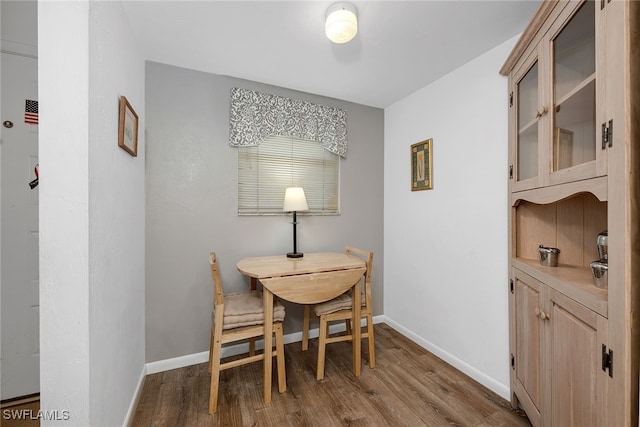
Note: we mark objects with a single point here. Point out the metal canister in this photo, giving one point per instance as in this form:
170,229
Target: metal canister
602,241
548,256
600,273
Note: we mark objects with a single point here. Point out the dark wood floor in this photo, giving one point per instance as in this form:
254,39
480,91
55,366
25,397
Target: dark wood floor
408,387
23,413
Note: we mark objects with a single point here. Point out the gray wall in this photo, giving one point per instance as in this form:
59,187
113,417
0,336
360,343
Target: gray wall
191,205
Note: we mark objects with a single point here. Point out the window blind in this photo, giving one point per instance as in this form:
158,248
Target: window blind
266,170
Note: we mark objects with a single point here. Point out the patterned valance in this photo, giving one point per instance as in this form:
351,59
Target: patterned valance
256,116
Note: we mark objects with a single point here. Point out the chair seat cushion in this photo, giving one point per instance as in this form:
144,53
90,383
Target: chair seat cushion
342,302
247,309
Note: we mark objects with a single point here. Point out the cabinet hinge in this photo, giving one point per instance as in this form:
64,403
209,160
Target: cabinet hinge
607,360
607,134
510,171
511,285
513,361
511,99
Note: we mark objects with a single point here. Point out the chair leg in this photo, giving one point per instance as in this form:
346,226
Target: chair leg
305,328
372,344
282,373
322,344
215,372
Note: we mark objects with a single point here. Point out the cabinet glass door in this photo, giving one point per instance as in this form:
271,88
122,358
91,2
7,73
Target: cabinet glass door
574,91
527,143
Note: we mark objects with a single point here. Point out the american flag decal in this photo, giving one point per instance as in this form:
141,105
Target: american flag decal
31,112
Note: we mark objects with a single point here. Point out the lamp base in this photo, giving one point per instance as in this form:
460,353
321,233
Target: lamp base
295,255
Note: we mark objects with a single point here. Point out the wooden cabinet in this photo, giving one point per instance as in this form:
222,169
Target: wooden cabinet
578,385
527,376
553,92
558,343
574,114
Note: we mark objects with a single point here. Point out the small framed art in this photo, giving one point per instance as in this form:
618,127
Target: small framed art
422,165
128,129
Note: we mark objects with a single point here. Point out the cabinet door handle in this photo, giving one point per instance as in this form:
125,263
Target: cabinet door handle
541,112
541,314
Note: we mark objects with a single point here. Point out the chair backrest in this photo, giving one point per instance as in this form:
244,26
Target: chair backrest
218,294
368,259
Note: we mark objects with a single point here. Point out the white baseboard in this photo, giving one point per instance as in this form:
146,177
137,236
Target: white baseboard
196,358
181,361
497,387
136,397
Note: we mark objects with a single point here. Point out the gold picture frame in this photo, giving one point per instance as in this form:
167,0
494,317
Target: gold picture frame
563,149
422,165
128,128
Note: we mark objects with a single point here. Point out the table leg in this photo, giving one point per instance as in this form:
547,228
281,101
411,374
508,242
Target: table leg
252,341
267,298
357,330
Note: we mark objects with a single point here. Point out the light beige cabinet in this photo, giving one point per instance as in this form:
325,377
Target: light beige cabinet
574,113
529,345
555,132
558,343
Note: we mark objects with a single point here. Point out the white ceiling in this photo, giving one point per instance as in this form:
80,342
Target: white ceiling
401,46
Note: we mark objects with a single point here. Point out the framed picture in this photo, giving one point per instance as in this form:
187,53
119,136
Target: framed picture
128,129
422,165
563,152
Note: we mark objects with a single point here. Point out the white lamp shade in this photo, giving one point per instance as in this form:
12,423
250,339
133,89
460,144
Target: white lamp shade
294,200
341,24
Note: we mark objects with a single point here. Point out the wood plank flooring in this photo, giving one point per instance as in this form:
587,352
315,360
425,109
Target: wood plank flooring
22,413
408,387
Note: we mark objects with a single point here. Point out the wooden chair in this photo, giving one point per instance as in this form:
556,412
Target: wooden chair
340,309
239,317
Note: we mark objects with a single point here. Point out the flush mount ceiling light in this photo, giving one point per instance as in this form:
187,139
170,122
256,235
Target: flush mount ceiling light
342,22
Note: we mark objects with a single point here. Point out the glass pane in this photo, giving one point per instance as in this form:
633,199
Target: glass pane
527,148
574,138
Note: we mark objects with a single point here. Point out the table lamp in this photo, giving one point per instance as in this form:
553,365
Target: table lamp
294,201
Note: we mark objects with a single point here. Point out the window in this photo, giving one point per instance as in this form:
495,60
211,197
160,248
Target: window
266,170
